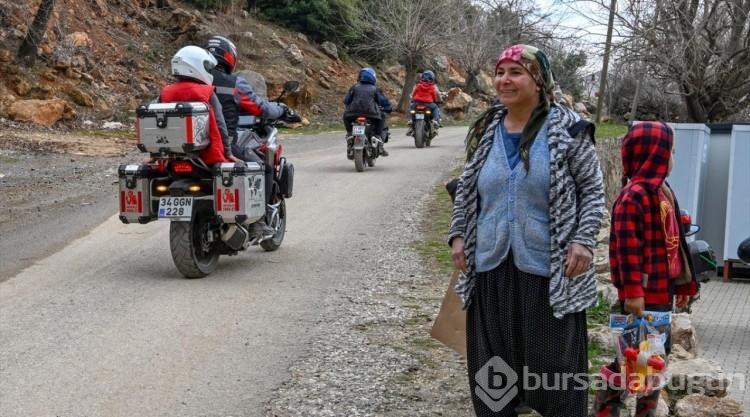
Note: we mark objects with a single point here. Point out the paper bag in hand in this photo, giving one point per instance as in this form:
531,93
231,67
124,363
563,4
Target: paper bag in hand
450,325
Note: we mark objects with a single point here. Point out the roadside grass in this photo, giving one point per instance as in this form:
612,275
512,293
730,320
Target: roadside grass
611,130
434,249
8,159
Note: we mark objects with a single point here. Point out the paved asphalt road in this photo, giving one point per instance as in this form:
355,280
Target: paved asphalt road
106,326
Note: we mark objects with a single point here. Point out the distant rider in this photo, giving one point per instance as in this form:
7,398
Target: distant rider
425,93
236,96
365,99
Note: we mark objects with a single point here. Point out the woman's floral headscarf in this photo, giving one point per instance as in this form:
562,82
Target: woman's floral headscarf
537,64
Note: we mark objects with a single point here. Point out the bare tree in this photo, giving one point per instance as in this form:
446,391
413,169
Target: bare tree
28,48
486,27
701,46
411,29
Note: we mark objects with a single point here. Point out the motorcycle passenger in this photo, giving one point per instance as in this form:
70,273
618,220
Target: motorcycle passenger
190,65
235,96
365,99
425,93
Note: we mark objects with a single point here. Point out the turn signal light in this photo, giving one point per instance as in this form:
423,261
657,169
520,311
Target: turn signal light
194,188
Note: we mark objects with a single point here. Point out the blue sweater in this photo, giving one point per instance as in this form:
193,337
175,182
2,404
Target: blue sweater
514,206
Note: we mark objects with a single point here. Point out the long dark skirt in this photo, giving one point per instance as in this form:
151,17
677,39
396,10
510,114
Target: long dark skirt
510,329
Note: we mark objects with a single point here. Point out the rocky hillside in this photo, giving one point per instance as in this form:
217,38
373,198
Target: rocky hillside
99,59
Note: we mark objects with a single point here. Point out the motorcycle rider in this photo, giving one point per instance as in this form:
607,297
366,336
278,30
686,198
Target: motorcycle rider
235,96
365,99
190,65
426,93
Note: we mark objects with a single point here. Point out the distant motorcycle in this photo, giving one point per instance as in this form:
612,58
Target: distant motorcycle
365,149
424,129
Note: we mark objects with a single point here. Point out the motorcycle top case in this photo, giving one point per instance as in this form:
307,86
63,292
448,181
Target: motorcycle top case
239,190
135,192
180,127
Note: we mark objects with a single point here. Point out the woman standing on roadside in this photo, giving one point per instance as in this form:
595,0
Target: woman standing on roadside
527,212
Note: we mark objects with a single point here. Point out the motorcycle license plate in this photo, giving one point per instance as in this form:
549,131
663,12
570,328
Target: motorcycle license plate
419,116
358,130
175,208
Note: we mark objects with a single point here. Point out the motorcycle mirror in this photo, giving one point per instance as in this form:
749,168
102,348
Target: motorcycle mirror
290,86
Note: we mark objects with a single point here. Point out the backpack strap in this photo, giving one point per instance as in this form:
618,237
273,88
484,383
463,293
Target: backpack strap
577,127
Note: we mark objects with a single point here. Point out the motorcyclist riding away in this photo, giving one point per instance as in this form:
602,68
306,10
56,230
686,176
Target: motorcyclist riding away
426,93
366,99
236,96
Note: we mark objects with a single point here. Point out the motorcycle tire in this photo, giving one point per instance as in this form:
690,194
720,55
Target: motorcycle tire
419,133
277,223
359,163
192,253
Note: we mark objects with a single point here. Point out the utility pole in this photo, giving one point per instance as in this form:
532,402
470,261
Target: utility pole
605,64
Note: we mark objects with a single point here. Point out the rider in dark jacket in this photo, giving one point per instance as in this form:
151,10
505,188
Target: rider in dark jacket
366,99
236,96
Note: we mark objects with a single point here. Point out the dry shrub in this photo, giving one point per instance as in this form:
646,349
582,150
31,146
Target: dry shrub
609,158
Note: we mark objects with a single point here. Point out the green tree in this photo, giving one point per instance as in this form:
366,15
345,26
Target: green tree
567,65
320,19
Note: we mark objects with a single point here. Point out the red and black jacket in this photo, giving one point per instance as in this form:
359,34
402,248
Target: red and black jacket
638,249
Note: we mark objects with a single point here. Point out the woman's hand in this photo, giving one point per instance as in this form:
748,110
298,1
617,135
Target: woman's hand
235,159
578,260
457,253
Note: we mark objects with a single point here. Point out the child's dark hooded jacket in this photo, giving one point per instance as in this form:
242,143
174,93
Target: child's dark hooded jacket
638,250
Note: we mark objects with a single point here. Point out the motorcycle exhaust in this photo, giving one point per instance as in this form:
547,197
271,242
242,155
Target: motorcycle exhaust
235,236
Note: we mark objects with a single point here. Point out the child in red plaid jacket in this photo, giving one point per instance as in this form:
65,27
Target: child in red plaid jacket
648,254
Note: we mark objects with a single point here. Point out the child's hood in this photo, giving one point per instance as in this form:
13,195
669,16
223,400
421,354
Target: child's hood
645,151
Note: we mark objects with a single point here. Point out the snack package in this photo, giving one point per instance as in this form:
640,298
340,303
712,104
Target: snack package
640,350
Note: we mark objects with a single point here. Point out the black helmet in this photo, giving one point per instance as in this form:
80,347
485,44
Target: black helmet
224,51
743,251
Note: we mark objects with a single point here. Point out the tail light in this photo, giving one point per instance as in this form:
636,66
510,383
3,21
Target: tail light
361,119
182,167
277,158
686,219
420,107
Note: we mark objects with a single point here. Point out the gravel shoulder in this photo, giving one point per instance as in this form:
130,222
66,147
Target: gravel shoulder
53,187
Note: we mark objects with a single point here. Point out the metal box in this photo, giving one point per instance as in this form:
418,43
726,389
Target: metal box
737,226
166,128
135,193
239,190
688,177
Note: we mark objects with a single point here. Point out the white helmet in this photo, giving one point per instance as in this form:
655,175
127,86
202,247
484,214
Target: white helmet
193,62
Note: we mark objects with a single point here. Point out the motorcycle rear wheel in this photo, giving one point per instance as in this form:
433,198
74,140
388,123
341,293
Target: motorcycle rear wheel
277,223
359,163
419,133
192,253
